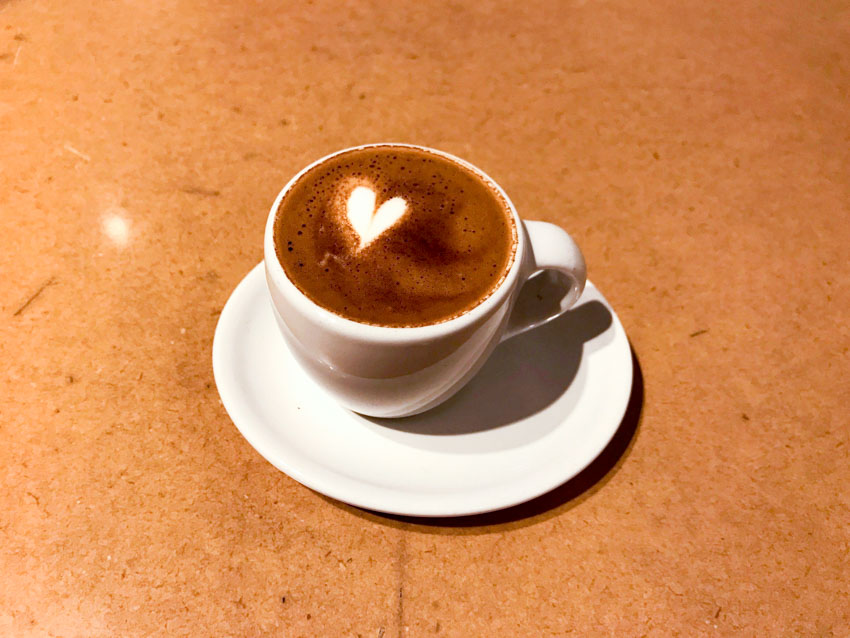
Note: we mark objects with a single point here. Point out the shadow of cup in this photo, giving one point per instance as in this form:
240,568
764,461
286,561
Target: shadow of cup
524,374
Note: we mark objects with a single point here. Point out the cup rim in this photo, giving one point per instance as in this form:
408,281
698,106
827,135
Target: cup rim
277,276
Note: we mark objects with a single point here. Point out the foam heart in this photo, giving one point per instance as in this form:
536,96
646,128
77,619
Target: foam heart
369,223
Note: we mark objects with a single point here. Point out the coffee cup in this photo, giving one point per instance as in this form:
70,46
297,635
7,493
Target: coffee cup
401,370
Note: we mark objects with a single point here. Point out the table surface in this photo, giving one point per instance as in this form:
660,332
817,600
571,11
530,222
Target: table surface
699,154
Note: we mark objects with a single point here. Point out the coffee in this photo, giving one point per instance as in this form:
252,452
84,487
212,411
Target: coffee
394,236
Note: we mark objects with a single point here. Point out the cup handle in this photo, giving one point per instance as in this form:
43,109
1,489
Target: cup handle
549,248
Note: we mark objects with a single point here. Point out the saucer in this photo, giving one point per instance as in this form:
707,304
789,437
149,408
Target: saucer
545,404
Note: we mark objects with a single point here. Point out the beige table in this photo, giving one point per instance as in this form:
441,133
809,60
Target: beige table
699,153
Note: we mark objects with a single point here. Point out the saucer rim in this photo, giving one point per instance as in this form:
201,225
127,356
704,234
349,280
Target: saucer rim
375,497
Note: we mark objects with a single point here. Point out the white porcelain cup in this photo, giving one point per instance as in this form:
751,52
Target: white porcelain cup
395,372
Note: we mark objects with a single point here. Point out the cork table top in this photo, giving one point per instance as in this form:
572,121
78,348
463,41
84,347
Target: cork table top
698,153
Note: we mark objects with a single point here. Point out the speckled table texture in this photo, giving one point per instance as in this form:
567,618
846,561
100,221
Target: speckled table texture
697,151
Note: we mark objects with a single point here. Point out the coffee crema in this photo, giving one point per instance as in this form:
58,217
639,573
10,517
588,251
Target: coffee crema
394,236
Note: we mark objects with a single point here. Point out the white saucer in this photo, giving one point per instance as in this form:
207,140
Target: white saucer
543,407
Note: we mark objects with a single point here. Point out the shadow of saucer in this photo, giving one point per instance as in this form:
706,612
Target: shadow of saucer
560,499
523,376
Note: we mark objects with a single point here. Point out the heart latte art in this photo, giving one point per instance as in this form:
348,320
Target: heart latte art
394,236
368,222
